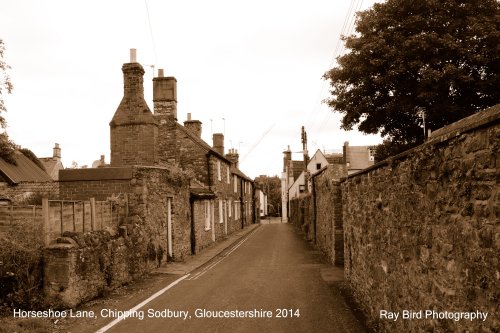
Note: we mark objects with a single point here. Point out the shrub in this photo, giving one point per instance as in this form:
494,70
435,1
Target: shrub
21,269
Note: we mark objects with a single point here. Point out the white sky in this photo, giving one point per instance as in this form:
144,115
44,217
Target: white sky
258,64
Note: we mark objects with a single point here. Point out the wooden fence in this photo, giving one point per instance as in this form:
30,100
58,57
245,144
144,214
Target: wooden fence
54,217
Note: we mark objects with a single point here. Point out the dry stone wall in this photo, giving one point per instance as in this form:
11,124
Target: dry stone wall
80,266
422,231
329,233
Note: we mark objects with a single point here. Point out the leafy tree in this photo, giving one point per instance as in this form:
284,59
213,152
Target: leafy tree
436,58
272,187
6,146
5,83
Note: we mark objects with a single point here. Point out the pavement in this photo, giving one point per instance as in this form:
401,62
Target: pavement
193,262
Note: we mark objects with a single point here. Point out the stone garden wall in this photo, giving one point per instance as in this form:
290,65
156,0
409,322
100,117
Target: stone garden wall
422,230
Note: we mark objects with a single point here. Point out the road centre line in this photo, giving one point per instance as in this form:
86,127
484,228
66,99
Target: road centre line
140,305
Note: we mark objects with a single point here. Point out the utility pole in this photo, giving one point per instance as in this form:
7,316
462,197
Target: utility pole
306,159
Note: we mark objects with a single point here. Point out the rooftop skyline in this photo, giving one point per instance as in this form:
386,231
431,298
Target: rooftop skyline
251,70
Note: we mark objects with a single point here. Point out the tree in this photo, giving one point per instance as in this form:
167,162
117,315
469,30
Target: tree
272,187
6,146
409,60
5,83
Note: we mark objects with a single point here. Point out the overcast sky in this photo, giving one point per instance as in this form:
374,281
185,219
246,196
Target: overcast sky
257,64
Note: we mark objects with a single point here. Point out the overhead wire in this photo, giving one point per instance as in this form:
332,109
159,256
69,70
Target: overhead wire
151,33
349,24
317,103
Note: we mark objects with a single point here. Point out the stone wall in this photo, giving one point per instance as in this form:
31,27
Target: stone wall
302,215
151,190
80,266
319,213
422,230
327,196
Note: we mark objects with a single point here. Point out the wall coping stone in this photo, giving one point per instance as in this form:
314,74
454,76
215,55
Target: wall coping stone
63,243
467,124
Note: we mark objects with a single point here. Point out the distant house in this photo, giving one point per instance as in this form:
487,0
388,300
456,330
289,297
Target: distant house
23,179
358,157
293,177
53,164
316,163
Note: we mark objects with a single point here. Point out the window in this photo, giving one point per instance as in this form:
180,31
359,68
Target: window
230,207
235,181
228,176
219,174
318,166
221,212
236,210
208,215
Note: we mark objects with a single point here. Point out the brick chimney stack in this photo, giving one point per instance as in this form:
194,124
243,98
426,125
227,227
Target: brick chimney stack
233,156
56,155
218,143
193,125
133,129
165,96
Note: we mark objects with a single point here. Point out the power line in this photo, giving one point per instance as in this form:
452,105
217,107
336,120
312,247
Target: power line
151,32
338,51
352,19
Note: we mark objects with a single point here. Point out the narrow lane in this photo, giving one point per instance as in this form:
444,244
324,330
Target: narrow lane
272,273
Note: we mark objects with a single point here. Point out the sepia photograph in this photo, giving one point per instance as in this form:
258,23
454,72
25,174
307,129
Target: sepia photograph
249,166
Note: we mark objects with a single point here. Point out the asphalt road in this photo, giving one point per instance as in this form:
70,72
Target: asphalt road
269,281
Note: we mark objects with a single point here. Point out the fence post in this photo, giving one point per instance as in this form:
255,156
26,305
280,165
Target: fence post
46,222
92,214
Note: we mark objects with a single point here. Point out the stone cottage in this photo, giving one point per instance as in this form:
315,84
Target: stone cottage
222,197
191,193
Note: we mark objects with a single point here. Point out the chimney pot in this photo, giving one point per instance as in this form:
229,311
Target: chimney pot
160,72
133,55
189,116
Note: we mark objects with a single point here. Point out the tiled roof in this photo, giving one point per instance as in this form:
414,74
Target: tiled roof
198,191
52,166
200,142
25,170
238,172
335,158
207,147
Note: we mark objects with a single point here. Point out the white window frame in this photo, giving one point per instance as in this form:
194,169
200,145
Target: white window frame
230,207
235,180
208,215
236,210
228,175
